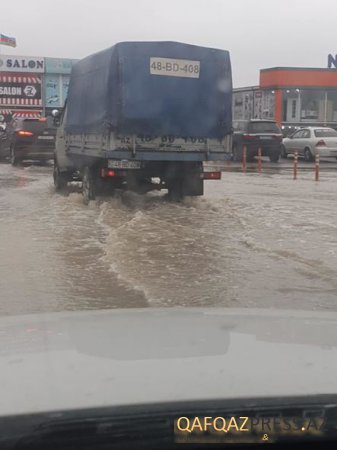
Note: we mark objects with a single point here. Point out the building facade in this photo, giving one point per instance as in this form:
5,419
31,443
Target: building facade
32,86
253,103
293,97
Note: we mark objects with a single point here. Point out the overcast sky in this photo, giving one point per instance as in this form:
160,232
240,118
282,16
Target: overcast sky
258,33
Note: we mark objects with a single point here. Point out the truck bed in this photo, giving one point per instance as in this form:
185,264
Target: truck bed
146,148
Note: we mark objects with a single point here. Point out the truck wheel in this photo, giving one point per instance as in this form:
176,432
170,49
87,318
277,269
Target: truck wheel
88,185
13,156
2,155
60,179
175,191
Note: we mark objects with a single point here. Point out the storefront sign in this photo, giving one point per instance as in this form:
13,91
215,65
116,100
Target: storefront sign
59,65
332,62
21,64
8,114
21,90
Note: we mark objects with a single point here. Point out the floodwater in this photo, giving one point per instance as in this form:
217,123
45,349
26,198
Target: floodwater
253,240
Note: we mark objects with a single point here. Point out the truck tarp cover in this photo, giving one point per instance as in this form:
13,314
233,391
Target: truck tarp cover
152,88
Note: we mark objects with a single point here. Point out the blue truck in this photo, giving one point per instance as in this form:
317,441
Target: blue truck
144,116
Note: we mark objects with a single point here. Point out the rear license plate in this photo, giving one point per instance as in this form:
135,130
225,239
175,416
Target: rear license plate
114,164
46,138
265,138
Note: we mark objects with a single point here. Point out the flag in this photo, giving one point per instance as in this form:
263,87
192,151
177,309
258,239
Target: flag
6,40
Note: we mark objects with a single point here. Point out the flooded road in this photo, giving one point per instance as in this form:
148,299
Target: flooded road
251,241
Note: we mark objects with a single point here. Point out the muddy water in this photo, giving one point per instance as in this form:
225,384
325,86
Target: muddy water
251,241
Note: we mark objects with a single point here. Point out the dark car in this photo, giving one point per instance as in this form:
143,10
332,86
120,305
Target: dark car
32,139
255,134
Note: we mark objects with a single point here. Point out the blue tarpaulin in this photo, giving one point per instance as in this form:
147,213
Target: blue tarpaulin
152,88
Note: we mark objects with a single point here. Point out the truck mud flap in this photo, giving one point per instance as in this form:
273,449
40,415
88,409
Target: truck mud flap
192,185
187,176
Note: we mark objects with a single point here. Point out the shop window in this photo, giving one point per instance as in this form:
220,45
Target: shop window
312,105
291,98
331,107
293,109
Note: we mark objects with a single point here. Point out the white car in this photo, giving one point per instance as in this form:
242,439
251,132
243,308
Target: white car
307,141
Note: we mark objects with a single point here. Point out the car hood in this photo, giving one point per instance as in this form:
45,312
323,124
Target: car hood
62,361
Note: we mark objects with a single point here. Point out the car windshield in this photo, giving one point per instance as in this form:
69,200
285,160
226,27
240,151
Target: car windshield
328,132
168,219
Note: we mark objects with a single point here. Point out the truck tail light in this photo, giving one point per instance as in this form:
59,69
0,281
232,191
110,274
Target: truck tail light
211,175
108,173
321,143
24,133
105,172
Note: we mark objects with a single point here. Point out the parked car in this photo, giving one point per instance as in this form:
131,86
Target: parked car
28,139
307,141
255,134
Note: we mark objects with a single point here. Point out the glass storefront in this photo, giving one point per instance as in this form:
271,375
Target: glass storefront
314,106
331,106
309,106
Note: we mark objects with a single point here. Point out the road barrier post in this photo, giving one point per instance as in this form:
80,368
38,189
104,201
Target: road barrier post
244,159
295,164
317,166
259,160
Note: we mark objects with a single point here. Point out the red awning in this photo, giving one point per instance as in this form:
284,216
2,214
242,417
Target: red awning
21,79
26,114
